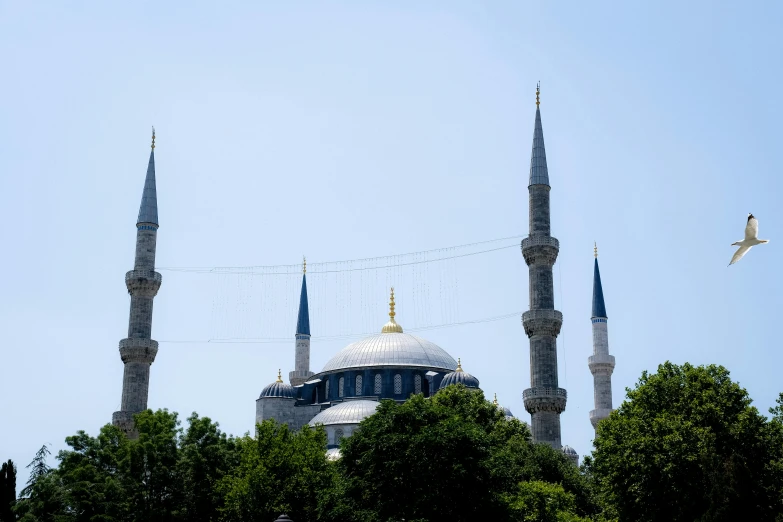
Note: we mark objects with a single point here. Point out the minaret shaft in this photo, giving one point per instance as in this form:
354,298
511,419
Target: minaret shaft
138,350
601,364
544,400
302,347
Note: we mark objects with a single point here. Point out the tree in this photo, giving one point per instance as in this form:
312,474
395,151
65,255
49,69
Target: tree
451,457
38,468
538,501
206,455
278,472
687,445
7,491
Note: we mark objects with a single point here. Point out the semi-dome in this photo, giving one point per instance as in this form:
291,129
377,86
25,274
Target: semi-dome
392,347
459,376
279,389
348,412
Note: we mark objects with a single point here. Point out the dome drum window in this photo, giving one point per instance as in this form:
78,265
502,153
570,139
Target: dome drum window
397,384
378,384
417,384
341,387
359,383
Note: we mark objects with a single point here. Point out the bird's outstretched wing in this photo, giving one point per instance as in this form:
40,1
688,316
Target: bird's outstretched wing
752,228
741,251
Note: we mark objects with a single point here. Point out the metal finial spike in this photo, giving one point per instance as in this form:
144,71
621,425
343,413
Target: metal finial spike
495,402
304,265
595,249
391,305
279,376
153,138
459,364
538,92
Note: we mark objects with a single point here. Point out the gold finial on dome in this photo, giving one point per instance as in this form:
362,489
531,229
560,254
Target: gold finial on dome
538,91
391,326
595,249
153,138
459,365
279,376
495,402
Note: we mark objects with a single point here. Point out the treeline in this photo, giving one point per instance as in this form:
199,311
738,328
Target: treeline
686,445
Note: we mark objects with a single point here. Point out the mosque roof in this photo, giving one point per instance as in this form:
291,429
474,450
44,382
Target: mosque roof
568,450
148,211
348,412
539,175
278,389
459,376
599,308
391,347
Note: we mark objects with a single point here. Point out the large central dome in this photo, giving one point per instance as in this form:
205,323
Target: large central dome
391,349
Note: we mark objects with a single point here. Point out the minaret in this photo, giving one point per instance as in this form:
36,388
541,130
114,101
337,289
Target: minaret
601,363
302,351
138,350
544,400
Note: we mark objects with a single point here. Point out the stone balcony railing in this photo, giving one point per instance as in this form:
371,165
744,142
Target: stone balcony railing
143,283
540,250
599,414
531,241
601,364
545,398
542,322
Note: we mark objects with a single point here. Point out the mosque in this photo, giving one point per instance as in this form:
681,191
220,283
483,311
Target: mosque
391,364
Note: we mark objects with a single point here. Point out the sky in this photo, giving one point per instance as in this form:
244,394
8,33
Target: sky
353,130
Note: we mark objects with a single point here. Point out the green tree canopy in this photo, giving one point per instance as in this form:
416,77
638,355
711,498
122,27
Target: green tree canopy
278,472
451,457
687,445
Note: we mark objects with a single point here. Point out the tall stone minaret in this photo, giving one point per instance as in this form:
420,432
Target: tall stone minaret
601,363
544,400
302,354
138,350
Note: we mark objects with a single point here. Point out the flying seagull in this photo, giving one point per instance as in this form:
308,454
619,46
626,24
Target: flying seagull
751,239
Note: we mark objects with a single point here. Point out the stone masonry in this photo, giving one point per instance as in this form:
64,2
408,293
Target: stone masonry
601,364
138,350
544,400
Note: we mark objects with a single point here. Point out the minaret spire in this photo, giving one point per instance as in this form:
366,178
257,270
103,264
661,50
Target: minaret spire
302,343
544,400
138,350
601,364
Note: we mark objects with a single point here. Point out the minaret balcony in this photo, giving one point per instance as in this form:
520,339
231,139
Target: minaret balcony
602,364
540,249
545,398
542,322
143,283
138,350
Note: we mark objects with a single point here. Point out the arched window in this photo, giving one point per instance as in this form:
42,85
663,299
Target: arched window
397,384
338,435
326,392
378,383
340,387
359,383
417,384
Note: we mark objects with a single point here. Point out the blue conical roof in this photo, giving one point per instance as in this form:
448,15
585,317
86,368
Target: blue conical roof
148,212
303,322
599,308
538,171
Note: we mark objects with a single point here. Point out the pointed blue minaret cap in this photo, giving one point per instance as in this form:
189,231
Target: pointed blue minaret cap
538,171
303,322
148,212
599,308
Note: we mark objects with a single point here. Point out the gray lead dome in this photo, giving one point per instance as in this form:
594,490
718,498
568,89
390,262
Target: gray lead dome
279,389
348,412
391,349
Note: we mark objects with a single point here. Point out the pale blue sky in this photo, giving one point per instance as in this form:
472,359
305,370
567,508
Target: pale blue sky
348,130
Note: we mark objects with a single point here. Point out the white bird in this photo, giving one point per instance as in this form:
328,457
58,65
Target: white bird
751,239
